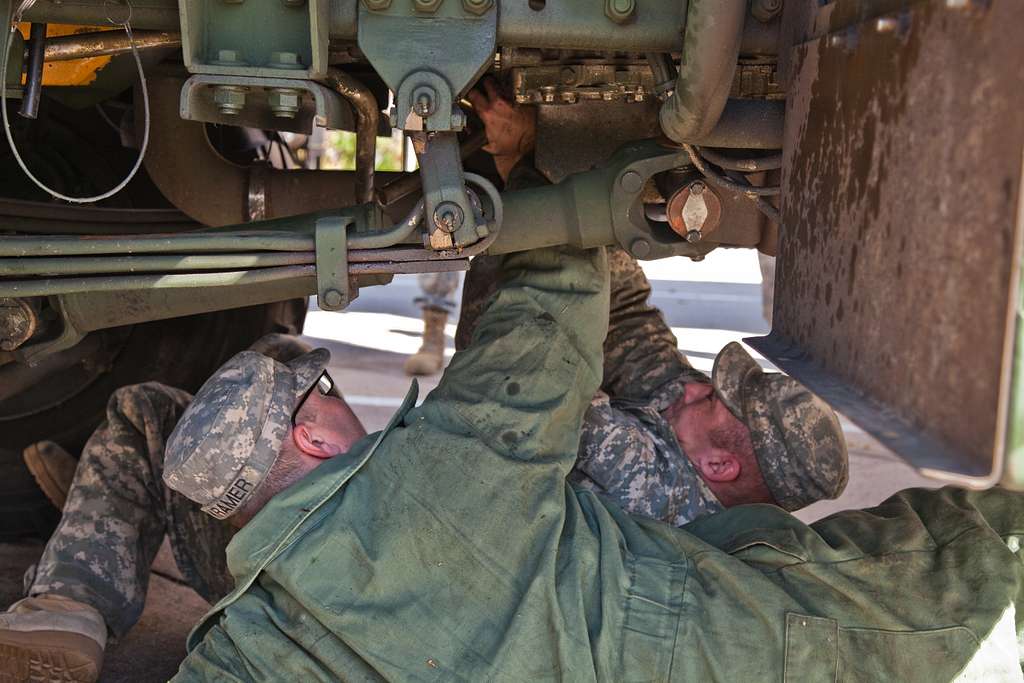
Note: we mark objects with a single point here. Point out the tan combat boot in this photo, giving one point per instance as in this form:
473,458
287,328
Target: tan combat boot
51,639
430,357
53,469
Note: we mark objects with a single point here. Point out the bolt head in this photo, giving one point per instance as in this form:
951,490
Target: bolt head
284,102
477,7
230,99
424,101
640,248
693,236
284,60
620,11
697,187
631,181
448,216
426,6
333,298
228,56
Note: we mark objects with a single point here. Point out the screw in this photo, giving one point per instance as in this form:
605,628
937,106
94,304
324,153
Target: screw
631,181
640,247
284,102
423,101
477,7
620,11
693,236
697,187
448,216
377,5
333,298
227,57
426,6
284,60
230,99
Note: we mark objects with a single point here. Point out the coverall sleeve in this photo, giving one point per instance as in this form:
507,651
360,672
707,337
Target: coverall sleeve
535,358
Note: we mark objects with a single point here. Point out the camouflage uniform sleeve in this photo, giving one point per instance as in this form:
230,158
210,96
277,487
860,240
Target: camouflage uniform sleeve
640,352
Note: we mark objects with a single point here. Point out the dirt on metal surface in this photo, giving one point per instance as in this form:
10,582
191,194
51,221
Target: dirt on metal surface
897,257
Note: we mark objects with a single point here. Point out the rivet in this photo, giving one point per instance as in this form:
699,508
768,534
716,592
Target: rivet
631,181
640,247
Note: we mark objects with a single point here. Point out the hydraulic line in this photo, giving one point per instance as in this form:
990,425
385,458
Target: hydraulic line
367,120
748,165
392,235
721,181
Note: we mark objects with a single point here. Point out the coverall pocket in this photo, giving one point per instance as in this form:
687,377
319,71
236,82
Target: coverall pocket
819,650
653,604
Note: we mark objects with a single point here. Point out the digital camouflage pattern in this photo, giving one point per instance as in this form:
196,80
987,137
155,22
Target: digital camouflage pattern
438,290
229,438
118,512
797,438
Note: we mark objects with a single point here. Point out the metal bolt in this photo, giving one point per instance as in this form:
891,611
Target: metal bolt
426,6
333,298
377,5
424,101
640,247
284,102
477,7
568,75
693,236
18,323
448,216
458,118
620,11
631,181
697,187
697,257
230,99
284,60
227,57
547,93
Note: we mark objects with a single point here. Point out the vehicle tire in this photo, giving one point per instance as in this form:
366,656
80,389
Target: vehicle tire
181,352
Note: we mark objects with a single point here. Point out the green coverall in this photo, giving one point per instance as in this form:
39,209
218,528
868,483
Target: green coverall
449,546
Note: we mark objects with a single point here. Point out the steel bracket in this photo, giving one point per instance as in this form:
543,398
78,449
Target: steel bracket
317,105
333,288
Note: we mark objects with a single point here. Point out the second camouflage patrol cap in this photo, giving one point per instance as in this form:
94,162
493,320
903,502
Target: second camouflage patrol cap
229,437
797,438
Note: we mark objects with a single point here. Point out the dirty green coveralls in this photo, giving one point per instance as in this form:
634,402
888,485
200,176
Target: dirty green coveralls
449,546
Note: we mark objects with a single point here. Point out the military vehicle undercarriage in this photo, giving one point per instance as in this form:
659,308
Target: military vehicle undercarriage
875,145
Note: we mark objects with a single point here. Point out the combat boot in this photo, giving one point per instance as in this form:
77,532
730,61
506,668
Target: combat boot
53,469
430,357
51,639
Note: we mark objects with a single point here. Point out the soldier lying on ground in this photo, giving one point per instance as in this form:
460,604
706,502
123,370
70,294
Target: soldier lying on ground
451,546
660,443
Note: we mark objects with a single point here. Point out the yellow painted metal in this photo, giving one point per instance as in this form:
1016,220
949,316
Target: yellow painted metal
75,71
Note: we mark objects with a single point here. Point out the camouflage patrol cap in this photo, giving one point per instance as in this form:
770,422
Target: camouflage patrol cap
229,437
797,438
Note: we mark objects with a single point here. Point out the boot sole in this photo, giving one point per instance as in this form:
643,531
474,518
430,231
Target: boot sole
48,657
48,483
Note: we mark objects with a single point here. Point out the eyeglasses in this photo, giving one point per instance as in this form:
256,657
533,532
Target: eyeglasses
324,384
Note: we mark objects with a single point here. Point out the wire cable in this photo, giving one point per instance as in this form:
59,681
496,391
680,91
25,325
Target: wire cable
145,136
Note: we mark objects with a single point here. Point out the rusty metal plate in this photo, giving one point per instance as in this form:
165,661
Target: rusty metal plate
900,250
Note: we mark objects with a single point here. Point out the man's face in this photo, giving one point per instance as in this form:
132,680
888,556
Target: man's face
719,446
325,427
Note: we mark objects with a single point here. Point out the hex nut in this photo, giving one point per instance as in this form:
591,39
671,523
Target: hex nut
620,11
333,298
230,99
477,7
284,102
426,6
640,247
284,60
424,101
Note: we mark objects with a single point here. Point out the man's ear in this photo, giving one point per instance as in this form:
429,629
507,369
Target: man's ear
720,467
308,441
